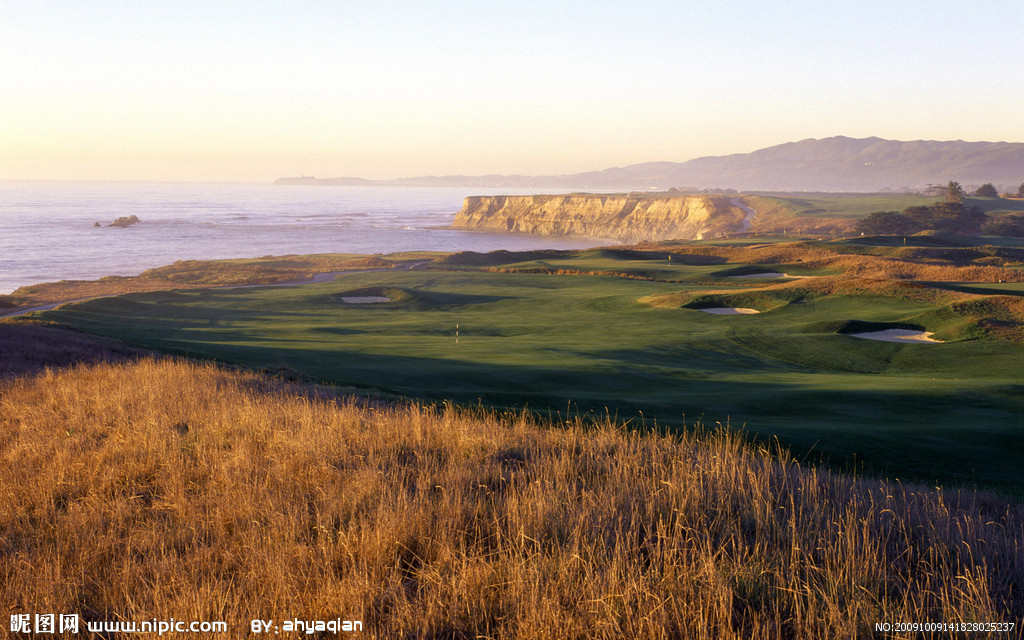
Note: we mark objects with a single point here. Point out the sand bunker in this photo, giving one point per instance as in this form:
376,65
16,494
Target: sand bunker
899,335
364,299
729,311
764,274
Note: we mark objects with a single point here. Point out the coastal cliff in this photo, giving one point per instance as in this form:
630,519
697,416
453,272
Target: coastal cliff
625,217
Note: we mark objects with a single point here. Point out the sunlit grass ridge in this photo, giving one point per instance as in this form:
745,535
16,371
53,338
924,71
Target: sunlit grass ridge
172,489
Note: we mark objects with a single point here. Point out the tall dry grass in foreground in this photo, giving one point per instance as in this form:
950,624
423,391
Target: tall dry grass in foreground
166,489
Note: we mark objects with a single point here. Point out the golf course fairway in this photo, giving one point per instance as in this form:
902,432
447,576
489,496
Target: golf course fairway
628,340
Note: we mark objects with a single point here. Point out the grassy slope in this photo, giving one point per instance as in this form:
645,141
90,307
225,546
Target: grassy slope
821,214
195,274
836,213
165,489
940,412
28,347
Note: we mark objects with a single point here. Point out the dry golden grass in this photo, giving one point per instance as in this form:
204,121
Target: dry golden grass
858,286
163,489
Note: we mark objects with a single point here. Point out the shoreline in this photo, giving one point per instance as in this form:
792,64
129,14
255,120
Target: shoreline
540,238
187,220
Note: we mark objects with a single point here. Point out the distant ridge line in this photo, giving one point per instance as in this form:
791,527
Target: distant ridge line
833,164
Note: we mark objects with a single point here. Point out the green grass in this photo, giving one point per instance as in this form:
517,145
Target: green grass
583,343
998,206
859,205
854,205
983,288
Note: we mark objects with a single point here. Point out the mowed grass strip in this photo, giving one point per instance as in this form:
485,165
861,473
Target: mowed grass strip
163,489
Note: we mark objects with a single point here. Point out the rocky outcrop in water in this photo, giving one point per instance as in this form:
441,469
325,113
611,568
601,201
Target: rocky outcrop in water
624,217
125,221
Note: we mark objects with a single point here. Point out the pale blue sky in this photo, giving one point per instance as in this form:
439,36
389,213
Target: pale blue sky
207,90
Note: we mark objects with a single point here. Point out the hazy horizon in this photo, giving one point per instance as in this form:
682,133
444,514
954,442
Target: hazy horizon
196,93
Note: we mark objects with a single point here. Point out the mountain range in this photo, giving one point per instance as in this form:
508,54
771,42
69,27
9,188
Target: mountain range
833,164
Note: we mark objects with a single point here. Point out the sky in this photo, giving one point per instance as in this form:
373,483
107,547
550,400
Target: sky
217,90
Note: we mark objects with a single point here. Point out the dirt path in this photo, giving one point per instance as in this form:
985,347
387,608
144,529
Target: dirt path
318,278
42,307
748,219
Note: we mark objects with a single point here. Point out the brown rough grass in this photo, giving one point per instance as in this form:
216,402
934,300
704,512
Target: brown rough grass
813,287
160,489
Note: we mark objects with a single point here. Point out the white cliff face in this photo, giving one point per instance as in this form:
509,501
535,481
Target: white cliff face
629,218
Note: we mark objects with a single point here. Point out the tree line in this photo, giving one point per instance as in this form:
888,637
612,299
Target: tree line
952,214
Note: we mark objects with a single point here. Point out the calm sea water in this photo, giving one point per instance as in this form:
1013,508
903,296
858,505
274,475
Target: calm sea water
47,230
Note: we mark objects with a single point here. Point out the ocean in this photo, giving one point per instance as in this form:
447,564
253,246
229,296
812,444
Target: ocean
47,230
